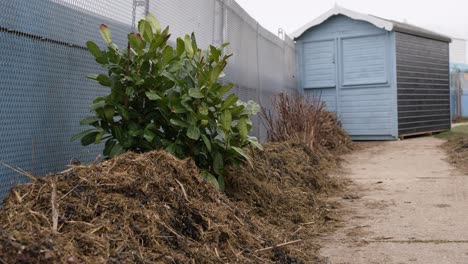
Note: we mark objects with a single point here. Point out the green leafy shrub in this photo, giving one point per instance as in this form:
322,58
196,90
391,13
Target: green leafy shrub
169,98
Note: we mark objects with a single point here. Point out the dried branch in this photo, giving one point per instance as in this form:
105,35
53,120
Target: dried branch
54,204
278,246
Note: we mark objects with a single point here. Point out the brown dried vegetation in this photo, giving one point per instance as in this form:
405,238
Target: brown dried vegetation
154,208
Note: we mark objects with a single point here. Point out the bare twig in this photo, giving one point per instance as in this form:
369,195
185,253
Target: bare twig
19,171
18,197
172,231
278,246
216,252
54,204
183,190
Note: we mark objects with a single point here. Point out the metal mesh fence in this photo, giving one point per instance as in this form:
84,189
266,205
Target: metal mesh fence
43,64
459,93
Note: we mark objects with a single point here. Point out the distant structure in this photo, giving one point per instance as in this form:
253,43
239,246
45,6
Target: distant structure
458,79
384,79
458,51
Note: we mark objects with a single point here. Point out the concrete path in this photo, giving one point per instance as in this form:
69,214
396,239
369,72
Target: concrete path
409,206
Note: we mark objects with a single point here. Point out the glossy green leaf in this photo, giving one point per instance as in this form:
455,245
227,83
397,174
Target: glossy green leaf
152,95
226,120
210,178
193,132
218,163
135,42
230,100
94,49
188,46
109,113
89,120
146,30
216,72
178,122
171,148
134,130
102,60
242,127
222,182
97,105
154,22
226,88
195,93
149,135
82,134
116,150
254,142
99,137
89,139
180,46
104,80
167,56
92,76
221,133
215,53
244,155
207,142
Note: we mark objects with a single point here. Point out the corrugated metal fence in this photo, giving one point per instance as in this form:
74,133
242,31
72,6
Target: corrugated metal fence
43,64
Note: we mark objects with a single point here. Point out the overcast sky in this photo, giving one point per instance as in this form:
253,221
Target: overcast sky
449,17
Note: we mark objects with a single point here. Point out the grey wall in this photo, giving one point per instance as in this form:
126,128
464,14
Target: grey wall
350,64
423,84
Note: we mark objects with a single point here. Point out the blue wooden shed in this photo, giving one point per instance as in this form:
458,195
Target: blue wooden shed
384,79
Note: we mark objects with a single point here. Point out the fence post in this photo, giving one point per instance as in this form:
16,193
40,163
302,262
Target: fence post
259,78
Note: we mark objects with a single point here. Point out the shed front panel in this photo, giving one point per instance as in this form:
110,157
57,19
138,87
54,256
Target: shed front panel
423,84
348,63
365,94
319,64
319,71
364,60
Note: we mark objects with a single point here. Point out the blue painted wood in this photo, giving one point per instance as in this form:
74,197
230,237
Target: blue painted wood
319,64
340,26
351,65
364,60
327,95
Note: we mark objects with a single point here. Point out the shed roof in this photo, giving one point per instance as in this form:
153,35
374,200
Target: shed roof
386,24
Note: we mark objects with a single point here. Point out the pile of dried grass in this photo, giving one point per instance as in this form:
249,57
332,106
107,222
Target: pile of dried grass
457,149
298,119
147,208
285,189
154,208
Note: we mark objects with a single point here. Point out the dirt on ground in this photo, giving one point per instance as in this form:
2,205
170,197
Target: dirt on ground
407,204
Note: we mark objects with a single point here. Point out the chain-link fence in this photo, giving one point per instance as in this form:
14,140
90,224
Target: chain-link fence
459,93
43,64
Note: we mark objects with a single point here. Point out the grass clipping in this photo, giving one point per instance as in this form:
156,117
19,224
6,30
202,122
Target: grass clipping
147,208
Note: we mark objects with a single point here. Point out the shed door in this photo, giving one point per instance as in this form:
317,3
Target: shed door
319,64
319,60
366,101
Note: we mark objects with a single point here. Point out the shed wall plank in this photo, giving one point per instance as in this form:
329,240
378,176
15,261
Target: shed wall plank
423,84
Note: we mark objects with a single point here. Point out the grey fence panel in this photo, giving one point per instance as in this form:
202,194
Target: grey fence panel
185,17
44,92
